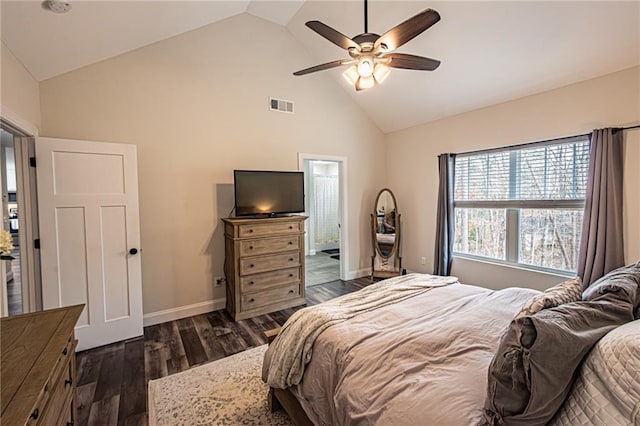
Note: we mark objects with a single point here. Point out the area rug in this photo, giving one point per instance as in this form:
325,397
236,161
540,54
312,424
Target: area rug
229,391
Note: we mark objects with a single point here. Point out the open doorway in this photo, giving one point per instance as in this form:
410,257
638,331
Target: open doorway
19,277
10,222
325,246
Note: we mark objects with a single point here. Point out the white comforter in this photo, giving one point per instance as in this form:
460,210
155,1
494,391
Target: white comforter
607,391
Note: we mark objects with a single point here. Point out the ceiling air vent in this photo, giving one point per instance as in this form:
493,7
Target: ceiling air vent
280,105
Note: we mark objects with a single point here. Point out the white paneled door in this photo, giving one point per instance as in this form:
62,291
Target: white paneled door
90,236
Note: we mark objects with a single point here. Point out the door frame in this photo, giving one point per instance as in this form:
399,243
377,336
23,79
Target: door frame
23,133
343,202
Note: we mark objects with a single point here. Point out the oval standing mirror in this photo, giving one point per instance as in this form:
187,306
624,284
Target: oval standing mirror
385,222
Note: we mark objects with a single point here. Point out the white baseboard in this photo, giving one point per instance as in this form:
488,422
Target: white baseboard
352,275
153,318
312,252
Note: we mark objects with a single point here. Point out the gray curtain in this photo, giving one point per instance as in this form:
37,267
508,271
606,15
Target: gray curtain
601,244
446,218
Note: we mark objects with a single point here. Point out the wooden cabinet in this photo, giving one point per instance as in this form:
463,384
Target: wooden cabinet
39,367
264,264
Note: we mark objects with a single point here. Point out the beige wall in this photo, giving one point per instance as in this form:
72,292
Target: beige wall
19,94
611,100
197,107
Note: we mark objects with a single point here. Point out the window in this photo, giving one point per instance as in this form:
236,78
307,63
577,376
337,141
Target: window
523,205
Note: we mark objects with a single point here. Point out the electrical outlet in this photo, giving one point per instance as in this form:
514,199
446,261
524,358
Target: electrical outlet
219,281
423,260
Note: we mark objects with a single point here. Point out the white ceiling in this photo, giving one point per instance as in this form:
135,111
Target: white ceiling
49,44
491,52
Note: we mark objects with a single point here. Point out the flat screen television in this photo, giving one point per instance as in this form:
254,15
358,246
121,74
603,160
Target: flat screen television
271,193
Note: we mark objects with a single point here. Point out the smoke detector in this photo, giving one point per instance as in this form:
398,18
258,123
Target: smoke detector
58,6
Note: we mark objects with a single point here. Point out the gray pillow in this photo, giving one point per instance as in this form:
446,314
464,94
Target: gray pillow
565,292
535,365
625,279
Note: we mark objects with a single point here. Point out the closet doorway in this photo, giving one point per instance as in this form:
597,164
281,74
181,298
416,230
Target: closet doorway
325,245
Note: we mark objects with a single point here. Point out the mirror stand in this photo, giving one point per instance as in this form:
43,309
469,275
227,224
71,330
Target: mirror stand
386,226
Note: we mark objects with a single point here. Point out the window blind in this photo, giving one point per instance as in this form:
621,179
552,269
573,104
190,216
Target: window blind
536,172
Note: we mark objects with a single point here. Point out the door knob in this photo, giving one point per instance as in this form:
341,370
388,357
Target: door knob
133,251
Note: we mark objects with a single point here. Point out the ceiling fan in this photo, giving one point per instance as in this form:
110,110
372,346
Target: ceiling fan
372,54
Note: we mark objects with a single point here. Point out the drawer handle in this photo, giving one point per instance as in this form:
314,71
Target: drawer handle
251,283
65,351
251,266
290,275
252,300
291,259
68,382
290,226
250,247
35,414
290,291
290,243
250,231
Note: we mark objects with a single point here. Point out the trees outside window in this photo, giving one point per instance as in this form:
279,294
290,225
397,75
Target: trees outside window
523,205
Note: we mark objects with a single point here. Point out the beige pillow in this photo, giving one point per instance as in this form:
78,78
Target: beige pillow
565,292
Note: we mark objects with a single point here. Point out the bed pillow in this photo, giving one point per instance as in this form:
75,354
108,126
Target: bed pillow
625,279
565,292
534,367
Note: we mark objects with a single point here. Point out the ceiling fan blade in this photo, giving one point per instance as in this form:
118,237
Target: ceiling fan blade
402,33
322,67
332,35
411,62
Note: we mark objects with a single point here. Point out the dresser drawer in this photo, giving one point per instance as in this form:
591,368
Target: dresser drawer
60,390
42,413
253,265
267,280
269,245
268,297
266,229
59,405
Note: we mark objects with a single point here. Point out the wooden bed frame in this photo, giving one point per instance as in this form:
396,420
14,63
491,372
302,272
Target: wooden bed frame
283,398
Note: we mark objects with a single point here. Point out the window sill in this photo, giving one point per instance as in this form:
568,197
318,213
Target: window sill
518,266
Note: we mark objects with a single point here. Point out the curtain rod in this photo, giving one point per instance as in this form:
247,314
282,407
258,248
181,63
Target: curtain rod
545,141
620,129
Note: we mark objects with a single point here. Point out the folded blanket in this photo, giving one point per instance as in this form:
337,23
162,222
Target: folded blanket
293,346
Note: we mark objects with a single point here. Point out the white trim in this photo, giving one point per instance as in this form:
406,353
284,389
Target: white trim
344,205
24,147
16,121
359,273
158,317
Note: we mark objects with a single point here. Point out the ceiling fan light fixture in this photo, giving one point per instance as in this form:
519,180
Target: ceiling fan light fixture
365,83
365,66
381,72
351,75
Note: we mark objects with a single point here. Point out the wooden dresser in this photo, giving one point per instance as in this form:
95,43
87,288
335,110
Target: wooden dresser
39,368
264,264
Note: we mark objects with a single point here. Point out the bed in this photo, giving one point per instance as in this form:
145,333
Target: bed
419,361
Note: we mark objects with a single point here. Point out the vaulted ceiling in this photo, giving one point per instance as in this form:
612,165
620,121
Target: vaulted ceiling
491,52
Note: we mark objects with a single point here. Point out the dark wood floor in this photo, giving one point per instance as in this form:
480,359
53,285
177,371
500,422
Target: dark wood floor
112,380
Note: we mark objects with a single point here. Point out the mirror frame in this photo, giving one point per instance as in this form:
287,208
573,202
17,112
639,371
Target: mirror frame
395,240
394,255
